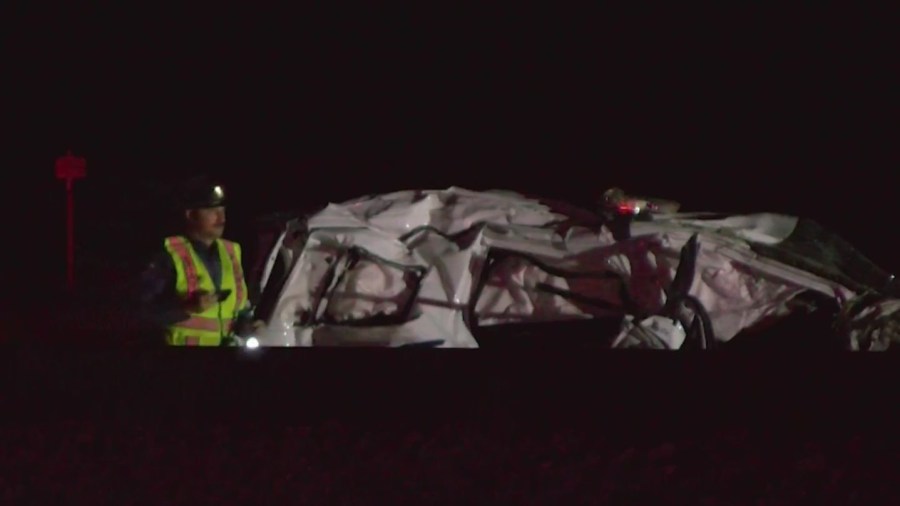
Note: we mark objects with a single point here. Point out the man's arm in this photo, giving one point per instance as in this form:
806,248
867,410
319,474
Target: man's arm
245,317
160,305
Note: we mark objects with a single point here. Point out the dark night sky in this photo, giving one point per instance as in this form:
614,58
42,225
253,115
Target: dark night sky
737,110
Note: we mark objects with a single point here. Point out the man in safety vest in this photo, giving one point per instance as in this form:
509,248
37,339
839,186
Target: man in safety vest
195,289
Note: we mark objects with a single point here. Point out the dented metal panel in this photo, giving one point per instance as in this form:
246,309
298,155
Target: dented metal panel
425,267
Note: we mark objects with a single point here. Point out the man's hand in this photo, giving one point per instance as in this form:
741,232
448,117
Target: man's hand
247,327
201,301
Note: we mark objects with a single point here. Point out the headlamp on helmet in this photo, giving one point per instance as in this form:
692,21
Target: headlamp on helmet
203,194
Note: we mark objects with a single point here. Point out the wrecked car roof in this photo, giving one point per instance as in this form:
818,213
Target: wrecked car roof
432,266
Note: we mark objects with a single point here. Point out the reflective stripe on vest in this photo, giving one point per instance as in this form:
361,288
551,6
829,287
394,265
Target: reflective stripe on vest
191,340
190,270
200,323
240,296
205,324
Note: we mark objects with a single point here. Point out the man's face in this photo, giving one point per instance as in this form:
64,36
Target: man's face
208,223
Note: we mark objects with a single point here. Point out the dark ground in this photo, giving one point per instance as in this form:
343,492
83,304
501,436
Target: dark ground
94,422
336,462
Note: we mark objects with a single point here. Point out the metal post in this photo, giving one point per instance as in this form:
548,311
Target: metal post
70,218
69,168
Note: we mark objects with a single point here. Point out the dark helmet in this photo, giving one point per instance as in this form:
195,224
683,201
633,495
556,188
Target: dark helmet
201,192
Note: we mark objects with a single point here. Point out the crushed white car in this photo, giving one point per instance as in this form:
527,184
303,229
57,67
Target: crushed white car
435,267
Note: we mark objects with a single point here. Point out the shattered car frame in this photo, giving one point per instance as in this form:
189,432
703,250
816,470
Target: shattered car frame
437,267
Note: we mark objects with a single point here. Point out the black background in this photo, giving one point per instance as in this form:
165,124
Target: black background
740,109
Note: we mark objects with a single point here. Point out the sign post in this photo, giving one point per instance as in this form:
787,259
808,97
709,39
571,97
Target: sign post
69,168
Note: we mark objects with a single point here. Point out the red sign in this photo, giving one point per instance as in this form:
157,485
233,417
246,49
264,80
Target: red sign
71,167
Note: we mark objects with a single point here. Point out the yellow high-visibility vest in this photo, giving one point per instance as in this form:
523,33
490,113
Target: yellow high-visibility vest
211,326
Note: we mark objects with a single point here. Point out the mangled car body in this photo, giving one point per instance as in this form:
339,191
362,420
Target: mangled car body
433,267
